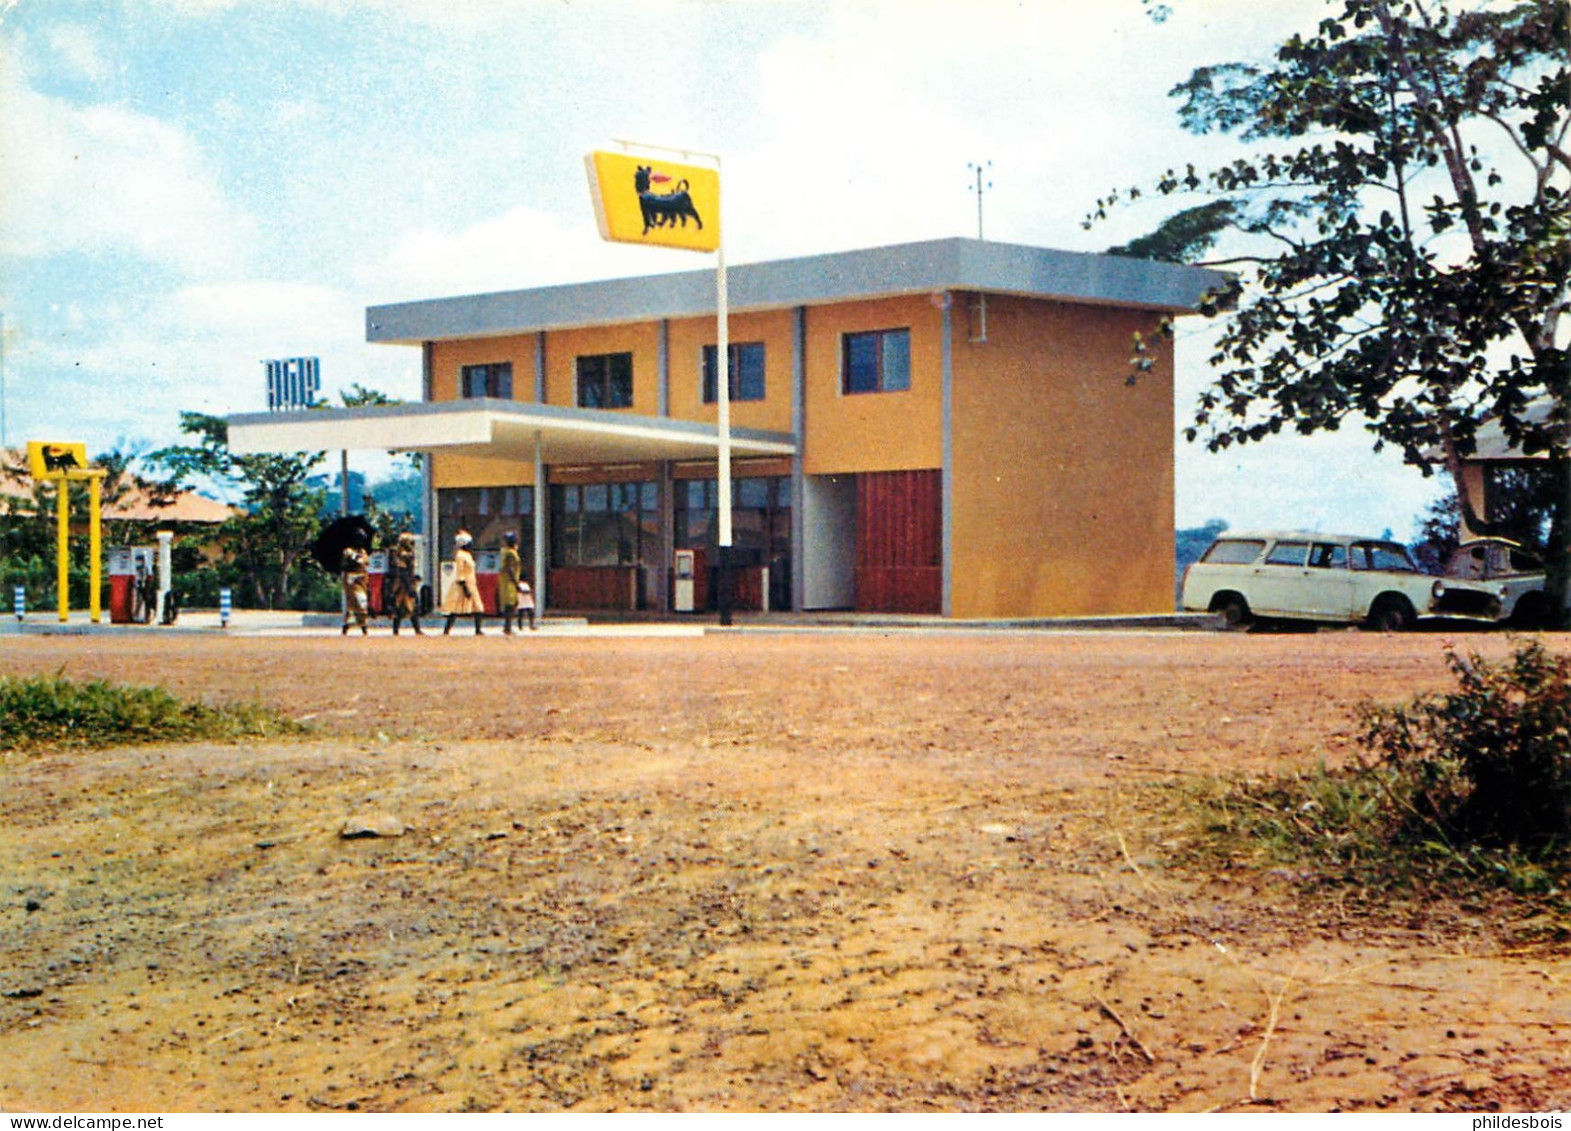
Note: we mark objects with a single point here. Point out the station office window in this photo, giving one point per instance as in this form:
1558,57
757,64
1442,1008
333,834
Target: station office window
605,380
747,372
494,380
878,361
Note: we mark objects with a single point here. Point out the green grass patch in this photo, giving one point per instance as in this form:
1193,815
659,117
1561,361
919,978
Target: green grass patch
1354,828
54,711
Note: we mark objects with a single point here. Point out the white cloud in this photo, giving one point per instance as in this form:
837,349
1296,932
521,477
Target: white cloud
103,178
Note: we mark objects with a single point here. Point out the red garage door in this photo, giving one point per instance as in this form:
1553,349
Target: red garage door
899,542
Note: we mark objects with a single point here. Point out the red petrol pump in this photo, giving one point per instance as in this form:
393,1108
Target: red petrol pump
133,584
488,567
376,583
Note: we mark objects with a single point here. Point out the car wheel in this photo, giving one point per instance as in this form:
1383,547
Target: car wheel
1233,610
1531,613
1391,613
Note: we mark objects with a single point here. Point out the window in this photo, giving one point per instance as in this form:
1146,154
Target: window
605,524
1288,553
1328,555
876,362
747,372
487,513
1234,551
1382,555
605,380
494,380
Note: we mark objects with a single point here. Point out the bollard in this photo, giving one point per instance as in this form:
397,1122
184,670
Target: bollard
224,607
19,601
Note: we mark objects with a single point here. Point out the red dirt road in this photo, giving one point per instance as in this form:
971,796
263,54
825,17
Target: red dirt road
743,872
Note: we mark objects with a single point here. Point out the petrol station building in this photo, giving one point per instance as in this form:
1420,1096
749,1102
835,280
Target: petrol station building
943,427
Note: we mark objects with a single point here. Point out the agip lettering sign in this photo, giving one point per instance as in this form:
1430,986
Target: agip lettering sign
658,203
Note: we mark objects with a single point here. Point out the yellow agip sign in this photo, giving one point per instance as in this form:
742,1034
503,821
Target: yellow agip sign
50,460
64,463
659,203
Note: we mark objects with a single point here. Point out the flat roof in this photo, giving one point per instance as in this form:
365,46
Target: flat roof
499,429
932,266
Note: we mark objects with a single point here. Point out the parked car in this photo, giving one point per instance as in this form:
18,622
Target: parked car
1493,579
1299,576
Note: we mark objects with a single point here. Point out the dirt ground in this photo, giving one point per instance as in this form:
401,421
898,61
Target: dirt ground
907,872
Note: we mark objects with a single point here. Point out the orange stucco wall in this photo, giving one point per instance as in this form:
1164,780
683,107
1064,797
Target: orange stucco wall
1063,472
564,347
775,329
895,431
447,359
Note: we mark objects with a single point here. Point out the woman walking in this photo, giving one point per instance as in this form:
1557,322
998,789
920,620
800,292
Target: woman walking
404,584
463,596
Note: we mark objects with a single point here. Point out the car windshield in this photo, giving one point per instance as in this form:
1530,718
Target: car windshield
1388,556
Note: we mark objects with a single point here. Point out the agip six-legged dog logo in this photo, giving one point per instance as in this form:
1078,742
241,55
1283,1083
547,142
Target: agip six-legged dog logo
662,208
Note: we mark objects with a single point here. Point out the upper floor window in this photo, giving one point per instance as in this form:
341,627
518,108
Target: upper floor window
605,380
747,372
878,361
494,380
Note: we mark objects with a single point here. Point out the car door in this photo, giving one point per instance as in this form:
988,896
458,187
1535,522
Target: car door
1279,580
1329,582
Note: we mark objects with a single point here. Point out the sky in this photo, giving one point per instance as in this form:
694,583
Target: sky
189,187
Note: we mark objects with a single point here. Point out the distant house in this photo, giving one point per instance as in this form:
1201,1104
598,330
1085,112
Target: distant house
1494,450
939,427
186,510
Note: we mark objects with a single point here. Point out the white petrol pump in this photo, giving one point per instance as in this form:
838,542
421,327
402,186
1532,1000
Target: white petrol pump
684,569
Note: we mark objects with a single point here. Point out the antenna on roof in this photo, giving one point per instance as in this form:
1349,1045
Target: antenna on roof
981,172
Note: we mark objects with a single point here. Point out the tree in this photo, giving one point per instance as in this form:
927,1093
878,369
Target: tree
1401,207
282,513
399,509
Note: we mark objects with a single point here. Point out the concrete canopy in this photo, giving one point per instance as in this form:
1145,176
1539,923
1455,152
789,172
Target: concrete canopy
498,428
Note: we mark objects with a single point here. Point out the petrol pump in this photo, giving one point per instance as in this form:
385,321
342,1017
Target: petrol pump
133,587
376,583
683,578
488,567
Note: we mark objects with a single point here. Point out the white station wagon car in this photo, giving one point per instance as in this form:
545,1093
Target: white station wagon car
1319,578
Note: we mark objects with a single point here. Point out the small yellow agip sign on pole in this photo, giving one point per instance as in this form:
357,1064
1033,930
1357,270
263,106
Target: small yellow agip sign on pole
61,464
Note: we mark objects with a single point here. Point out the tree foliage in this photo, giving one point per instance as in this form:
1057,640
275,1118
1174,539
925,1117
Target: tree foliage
282,512
1399,207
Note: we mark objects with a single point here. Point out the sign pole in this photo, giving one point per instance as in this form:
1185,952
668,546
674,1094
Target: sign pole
723,426
63,545
723,394
95,547
657,203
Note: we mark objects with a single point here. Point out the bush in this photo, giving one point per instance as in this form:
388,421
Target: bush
1461,792
41,711
1488,764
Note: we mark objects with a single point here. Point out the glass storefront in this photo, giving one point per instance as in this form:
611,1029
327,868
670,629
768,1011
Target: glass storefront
487,513
594,525
605,524
760,524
